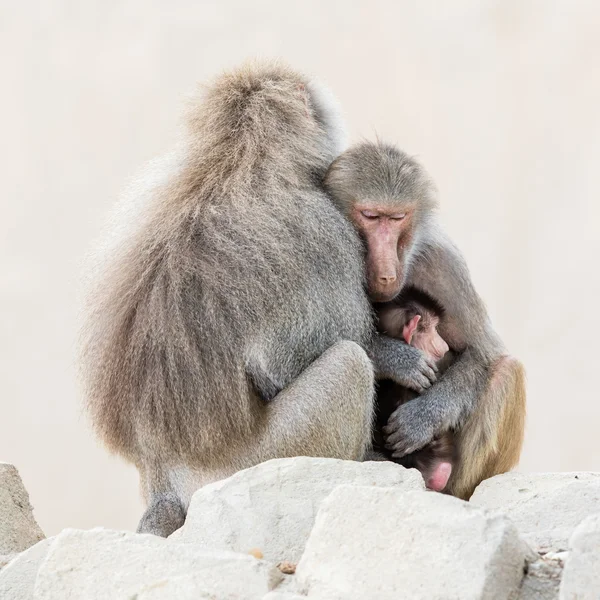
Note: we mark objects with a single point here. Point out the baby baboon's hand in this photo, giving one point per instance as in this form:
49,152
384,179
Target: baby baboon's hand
409,429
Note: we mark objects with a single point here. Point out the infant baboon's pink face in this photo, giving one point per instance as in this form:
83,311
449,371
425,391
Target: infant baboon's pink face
421,332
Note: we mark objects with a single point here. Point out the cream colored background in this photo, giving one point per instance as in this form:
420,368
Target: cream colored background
500,99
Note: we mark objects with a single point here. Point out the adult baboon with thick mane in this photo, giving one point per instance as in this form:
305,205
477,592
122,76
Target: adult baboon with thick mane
226,320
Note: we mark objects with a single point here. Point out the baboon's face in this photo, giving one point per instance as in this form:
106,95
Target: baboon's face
387,232
422,333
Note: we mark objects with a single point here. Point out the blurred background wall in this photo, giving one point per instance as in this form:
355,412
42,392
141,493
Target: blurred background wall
500,100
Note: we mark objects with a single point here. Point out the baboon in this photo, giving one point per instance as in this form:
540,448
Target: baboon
391,201
227,320
414,316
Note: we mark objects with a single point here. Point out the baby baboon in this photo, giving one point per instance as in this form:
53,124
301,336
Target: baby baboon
391,201
413,316
227,317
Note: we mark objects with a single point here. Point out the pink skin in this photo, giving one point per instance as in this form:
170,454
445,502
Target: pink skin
430,341
382,228
438,479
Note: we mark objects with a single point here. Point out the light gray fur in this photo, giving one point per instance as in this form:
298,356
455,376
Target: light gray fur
225,324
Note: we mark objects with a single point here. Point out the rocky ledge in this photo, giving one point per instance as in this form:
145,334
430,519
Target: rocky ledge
324,529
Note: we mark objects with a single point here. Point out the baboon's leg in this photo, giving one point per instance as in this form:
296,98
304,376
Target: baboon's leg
491,440
327,411
164,515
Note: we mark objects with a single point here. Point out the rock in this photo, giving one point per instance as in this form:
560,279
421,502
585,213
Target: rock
18,528
581,578
272,507
542,579
6,558
545,507
190,587
110,565
385,543
287,567
18,579
179,588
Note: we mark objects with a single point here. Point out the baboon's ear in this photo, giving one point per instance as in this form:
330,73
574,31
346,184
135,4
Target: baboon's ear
410,328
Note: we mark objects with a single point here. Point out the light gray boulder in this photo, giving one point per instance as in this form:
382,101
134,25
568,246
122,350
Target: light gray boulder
545,507
18,528
389,544
180,588
272,506
6,558
194,586
101,564
581,578
18,578
542,580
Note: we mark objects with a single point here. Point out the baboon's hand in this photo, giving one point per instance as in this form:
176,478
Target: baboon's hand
409,429
414,370
403,364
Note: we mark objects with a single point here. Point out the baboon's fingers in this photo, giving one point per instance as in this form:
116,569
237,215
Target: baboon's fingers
430,374
424,381
432,364
406,431
419,381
